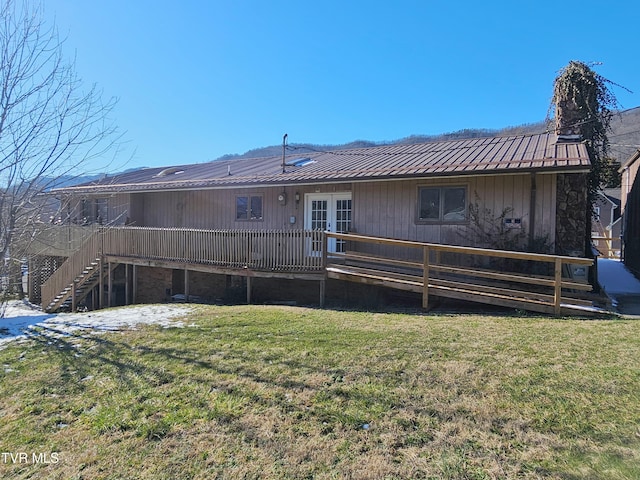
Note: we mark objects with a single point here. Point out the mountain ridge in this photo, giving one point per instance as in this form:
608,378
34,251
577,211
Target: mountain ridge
624,140
274,150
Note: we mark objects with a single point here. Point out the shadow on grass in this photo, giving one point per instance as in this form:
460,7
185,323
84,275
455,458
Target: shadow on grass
243,375
79,361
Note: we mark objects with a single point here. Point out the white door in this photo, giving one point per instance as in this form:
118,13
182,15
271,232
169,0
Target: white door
330,212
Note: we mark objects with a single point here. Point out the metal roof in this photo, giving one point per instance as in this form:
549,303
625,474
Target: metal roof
478,156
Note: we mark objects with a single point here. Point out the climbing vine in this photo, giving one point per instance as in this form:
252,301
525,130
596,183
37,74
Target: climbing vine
591,104
492,230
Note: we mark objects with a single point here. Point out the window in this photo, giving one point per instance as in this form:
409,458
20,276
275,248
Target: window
249,207
442,204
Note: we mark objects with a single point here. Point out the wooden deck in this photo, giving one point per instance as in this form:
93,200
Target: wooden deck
550,284
247,253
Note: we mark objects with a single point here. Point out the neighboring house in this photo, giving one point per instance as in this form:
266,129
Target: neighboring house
630,205
606,226
534,185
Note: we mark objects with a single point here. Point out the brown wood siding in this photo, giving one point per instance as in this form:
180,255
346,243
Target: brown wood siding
389,209
216,209
136,209
119,208
386,209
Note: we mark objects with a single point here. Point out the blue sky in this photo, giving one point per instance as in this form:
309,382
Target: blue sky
199,79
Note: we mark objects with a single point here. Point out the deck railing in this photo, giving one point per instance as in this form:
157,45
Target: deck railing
515,279
70,269
266,250
609,247
281,250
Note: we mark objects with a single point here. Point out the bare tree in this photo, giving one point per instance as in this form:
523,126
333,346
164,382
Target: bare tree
50,124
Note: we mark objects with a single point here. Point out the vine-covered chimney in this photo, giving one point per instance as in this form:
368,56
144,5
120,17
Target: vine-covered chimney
568,119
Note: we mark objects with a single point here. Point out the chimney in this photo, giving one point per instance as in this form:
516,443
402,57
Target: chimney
568,121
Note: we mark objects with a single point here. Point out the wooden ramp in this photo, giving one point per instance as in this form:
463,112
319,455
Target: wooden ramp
493,277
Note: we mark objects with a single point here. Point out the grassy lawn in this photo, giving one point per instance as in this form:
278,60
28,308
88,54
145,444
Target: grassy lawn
281,392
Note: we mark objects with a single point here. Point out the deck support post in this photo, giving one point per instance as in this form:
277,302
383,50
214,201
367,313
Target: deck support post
425,278
557,288
323,289
186,284
127,289
73,296
110,286
101,285
94,299
134,281
248,290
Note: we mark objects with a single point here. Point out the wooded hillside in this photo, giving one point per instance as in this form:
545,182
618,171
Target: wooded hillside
624,138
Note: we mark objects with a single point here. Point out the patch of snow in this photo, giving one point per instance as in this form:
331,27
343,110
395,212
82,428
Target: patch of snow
22,319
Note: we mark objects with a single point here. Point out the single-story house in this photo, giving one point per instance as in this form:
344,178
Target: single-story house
415,192
529,189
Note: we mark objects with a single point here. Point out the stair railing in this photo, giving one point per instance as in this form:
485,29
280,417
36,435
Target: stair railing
71,268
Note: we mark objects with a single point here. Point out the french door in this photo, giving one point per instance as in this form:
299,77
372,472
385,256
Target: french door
328,212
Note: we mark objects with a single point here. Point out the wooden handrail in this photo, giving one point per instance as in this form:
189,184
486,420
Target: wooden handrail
541,257
390,265
64,276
